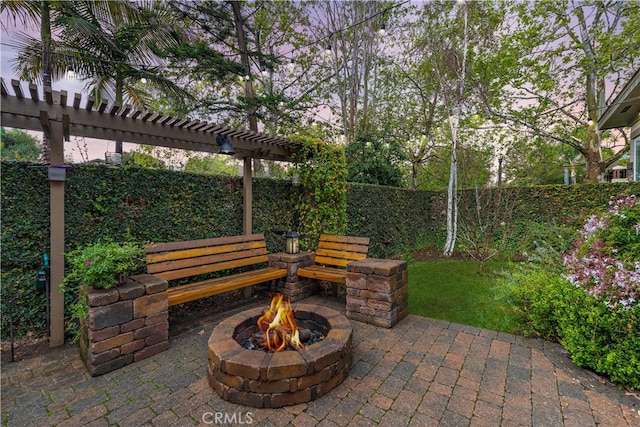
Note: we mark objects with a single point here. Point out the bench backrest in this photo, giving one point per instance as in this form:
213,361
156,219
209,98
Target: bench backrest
338,251
177,260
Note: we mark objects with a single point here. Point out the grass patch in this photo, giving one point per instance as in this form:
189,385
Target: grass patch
452,290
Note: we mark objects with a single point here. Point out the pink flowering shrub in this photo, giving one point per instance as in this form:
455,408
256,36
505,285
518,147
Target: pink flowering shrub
605,259
591,305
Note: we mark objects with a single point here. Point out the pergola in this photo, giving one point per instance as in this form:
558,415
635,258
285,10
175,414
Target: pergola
60,115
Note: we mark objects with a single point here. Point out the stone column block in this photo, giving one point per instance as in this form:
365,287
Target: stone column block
377,291
125,324
293,286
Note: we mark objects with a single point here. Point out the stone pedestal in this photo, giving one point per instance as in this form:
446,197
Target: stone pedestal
292,286
377,291
125,324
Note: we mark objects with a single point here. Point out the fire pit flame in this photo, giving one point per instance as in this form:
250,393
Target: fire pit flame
278,326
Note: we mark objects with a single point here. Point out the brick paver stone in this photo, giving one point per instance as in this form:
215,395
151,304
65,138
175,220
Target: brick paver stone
421,372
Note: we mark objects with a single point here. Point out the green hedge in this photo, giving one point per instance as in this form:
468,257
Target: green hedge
602,338
566,206
155,205
120,204
396,220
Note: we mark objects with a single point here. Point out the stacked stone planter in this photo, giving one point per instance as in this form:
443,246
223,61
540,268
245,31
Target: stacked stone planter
125,324
377,291
293,286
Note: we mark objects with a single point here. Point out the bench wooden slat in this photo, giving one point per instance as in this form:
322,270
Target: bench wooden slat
362,249
203,260
206,288
339,256
216,241
329,274
154,258
211,268
333,255
345,239
181,260
334,262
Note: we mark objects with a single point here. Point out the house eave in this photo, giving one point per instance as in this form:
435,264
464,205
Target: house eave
624,111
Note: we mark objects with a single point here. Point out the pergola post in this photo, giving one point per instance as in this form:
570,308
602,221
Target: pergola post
247,196
56,297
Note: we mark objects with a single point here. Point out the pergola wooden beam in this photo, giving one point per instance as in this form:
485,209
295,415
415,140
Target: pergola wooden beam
58,120
103,122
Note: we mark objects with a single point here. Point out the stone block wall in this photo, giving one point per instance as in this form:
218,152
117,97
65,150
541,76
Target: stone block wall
292,286
125,324
377,291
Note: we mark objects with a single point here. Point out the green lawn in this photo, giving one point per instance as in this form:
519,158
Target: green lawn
452,290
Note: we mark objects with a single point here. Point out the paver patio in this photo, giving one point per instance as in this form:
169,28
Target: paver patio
423,372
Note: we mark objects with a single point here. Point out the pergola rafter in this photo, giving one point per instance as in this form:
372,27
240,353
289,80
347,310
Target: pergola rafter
130,124
60,116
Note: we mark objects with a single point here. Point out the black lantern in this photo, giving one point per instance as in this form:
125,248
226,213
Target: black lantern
224,144
292,245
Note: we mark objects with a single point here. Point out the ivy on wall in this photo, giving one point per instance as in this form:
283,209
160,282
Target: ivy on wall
395,219
562,205
143,205
119,204
321,203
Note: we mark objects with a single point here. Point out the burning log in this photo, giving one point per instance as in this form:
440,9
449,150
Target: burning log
279,326
258,339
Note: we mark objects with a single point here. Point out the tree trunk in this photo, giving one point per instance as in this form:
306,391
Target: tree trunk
593,159
452,202
454,125
248,86
414,174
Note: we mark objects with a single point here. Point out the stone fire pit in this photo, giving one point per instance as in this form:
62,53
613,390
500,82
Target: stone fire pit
271,380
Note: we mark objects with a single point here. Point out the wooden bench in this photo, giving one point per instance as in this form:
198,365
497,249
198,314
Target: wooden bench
333,255
180,260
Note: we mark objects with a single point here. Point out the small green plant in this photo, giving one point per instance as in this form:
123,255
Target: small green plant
101,265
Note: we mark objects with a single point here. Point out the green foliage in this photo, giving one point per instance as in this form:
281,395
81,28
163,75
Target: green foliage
103,264
396,220
209,71
211,165
539,297
556,300
147,205
18,145
474,168
321,206
273,211
22,304
604,260
486,222
605,339
545,240
567,206
537,161
136,158
560,68
374,161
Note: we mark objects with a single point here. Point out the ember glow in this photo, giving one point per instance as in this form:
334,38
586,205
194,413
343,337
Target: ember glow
279,326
